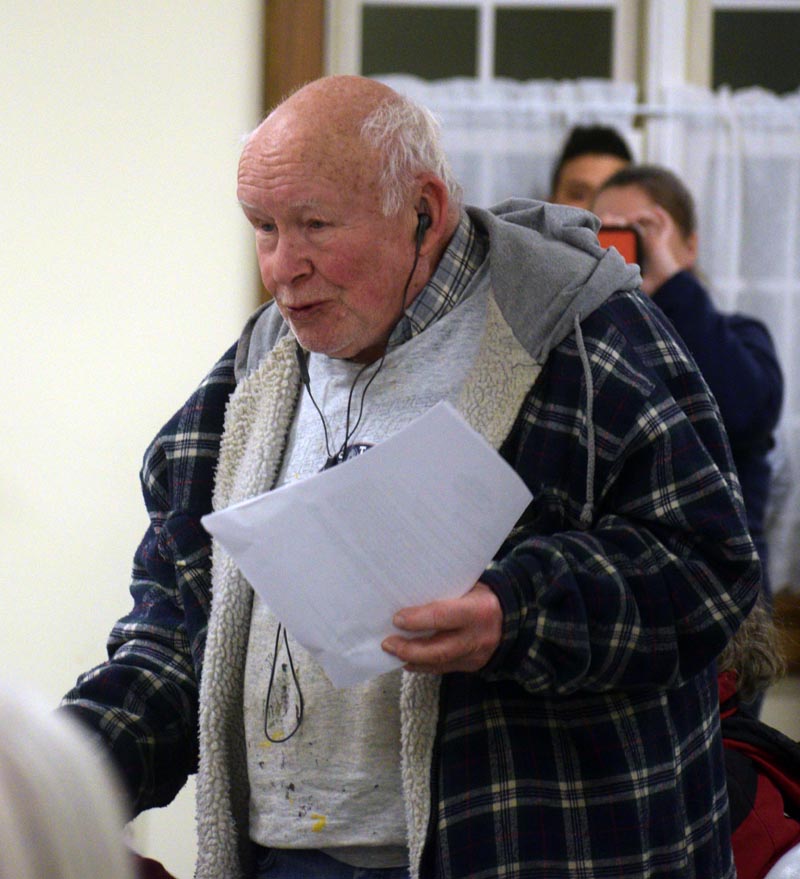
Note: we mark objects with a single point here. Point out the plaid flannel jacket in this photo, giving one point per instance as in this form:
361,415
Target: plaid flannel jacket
590,745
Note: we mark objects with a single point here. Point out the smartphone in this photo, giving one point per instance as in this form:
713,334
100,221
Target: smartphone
625,239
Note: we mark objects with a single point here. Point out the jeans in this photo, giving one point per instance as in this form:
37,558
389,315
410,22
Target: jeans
313,864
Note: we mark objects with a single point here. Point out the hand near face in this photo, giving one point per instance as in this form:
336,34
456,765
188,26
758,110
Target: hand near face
666,250
461,634
657,230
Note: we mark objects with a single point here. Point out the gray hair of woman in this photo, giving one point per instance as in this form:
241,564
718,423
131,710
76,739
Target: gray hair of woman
754,653
61,811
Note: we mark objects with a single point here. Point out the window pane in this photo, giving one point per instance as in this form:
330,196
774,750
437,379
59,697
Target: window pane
757,48
553,43
430,42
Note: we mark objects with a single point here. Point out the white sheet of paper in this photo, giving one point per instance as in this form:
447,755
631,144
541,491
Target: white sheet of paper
416,518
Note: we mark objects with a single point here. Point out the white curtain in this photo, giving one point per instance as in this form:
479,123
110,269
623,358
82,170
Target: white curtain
502,136
739,153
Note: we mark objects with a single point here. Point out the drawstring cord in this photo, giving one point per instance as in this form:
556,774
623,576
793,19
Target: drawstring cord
300,706
588,507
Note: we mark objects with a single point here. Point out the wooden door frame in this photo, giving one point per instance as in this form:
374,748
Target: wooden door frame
294,46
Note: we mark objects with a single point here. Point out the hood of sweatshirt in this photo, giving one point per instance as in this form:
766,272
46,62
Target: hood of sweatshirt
548,270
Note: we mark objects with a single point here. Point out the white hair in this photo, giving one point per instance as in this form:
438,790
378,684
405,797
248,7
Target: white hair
61,812
408,136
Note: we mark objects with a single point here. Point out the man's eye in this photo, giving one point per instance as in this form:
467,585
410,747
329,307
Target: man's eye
317,224
266,227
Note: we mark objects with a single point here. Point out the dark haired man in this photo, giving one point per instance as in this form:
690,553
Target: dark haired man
589,156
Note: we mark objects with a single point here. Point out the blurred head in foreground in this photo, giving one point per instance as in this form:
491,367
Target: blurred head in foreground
61,814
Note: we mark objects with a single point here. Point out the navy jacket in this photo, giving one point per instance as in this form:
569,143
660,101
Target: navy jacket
737,358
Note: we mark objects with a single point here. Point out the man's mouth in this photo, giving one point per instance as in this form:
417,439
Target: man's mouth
304,307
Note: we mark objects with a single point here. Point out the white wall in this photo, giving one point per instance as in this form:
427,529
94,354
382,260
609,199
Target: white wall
125,270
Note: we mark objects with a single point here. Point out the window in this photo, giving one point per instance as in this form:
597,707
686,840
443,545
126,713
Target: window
709,42
756,46
537,43
433,42
520,39
743,43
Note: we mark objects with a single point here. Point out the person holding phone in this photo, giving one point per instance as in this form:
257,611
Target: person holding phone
735,352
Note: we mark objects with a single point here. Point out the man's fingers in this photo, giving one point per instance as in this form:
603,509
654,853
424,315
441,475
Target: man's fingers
449,614
432,651
439,653
439,615
454,635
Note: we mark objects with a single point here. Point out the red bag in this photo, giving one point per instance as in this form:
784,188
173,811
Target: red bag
147,868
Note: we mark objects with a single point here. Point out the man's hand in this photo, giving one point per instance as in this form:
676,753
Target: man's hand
460,634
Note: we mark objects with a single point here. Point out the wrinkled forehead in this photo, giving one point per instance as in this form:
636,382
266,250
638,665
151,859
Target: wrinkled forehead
294,139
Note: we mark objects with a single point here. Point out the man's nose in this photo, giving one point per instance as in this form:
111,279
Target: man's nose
288,262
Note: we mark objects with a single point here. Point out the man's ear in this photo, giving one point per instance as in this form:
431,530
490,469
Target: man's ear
433,212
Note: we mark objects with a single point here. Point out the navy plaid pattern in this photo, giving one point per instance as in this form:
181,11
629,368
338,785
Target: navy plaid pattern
144,700
590,745
462,258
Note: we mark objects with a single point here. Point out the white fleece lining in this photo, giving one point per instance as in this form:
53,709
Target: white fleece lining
256,424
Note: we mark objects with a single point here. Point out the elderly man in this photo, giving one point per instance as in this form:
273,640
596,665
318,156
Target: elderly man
559,719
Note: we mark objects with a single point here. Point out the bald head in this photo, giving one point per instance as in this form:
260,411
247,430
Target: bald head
329,113
339,101
319,126
371,127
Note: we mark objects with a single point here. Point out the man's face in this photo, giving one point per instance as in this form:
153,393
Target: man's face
581,177
335,265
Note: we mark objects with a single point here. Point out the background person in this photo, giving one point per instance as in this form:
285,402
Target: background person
589,156
592,632
61,809
762,764
735,353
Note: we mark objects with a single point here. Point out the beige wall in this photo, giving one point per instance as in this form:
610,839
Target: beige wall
125,270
